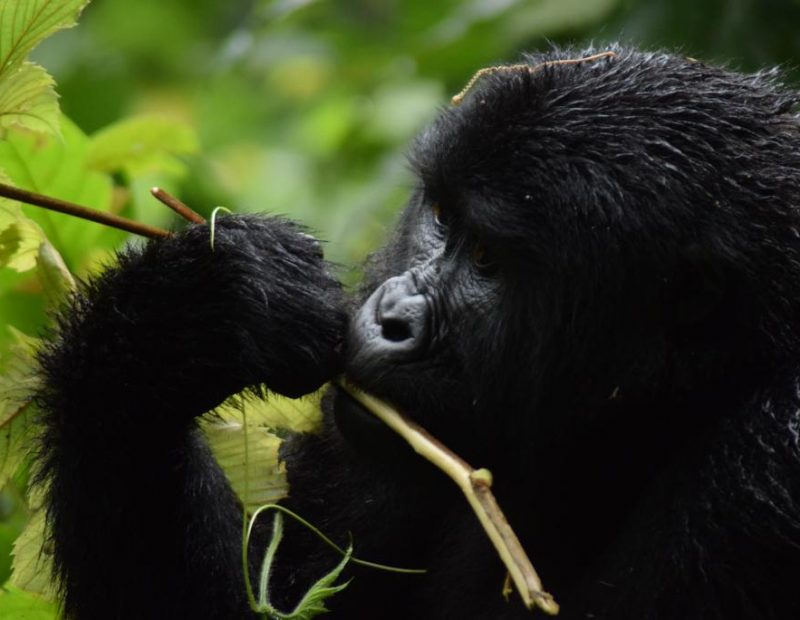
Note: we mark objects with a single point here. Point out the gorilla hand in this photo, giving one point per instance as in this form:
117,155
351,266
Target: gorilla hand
180,324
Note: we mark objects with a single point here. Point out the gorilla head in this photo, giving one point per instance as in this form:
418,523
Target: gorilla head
623,227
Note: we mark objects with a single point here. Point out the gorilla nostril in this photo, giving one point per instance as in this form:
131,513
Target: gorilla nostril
395,330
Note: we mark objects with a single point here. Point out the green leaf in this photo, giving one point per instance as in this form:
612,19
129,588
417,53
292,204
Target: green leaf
27,99
263,479
21,605
142,144
20,306
19,240
32,568
313,602
280,413
56,280
57,167
17,383
19,236
24,23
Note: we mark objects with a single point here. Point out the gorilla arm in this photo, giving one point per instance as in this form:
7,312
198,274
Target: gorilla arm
143,522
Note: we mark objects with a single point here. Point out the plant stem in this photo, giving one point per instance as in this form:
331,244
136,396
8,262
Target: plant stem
459,98
176,205
84,213
476,485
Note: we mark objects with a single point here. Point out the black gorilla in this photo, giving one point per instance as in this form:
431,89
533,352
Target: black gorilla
594,291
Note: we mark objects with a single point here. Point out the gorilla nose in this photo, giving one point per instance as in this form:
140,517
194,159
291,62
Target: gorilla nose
401,312
394,323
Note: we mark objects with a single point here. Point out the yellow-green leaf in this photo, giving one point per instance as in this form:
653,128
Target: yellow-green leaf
142,144
276,412
20,605
10,210
32,565
27,99
19,244
25,23
55,278
57,167
17,383
263,480
19,236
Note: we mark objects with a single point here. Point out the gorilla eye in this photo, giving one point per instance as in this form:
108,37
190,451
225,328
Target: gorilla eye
438,217
482,260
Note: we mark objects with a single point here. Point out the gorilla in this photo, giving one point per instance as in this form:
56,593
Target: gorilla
594,291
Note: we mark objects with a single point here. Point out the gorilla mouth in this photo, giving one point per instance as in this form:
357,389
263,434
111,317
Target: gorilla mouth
359,426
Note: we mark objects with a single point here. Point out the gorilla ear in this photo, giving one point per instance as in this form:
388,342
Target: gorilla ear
697,287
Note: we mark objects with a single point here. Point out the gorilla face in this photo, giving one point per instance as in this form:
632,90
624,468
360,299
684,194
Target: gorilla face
407,340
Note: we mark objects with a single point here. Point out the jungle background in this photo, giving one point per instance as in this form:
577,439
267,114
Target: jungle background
297,107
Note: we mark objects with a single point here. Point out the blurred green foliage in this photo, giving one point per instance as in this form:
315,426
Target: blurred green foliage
304,107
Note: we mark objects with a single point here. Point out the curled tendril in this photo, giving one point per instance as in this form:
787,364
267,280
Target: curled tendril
213,223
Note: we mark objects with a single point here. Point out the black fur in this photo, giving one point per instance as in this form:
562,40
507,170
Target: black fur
601,307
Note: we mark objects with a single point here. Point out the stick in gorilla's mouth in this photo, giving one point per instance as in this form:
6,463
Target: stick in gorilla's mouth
476,486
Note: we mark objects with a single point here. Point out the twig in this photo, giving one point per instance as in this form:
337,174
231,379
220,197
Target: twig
523,67
475,484
84,213
176,205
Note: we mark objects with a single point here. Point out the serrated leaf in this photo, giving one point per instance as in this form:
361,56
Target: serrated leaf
19,236
142,144
10,210
15,439
21,605
263,481
17,383
26,345
19,244
57,167
25,23
28,100
279,413
32,564
313,602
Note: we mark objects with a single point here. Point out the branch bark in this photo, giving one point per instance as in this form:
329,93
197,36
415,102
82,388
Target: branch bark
85,213
176,205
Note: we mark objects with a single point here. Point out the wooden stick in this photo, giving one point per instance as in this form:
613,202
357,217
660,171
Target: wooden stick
176,205
84,213
476,486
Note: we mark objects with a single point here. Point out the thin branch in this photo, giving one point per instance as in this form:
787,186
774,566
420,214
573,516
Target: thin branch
476,485
176,205
481,73
84,213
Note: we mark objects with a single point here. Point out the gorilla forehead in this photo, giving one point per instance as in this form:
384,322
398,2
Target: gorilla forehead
638,140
